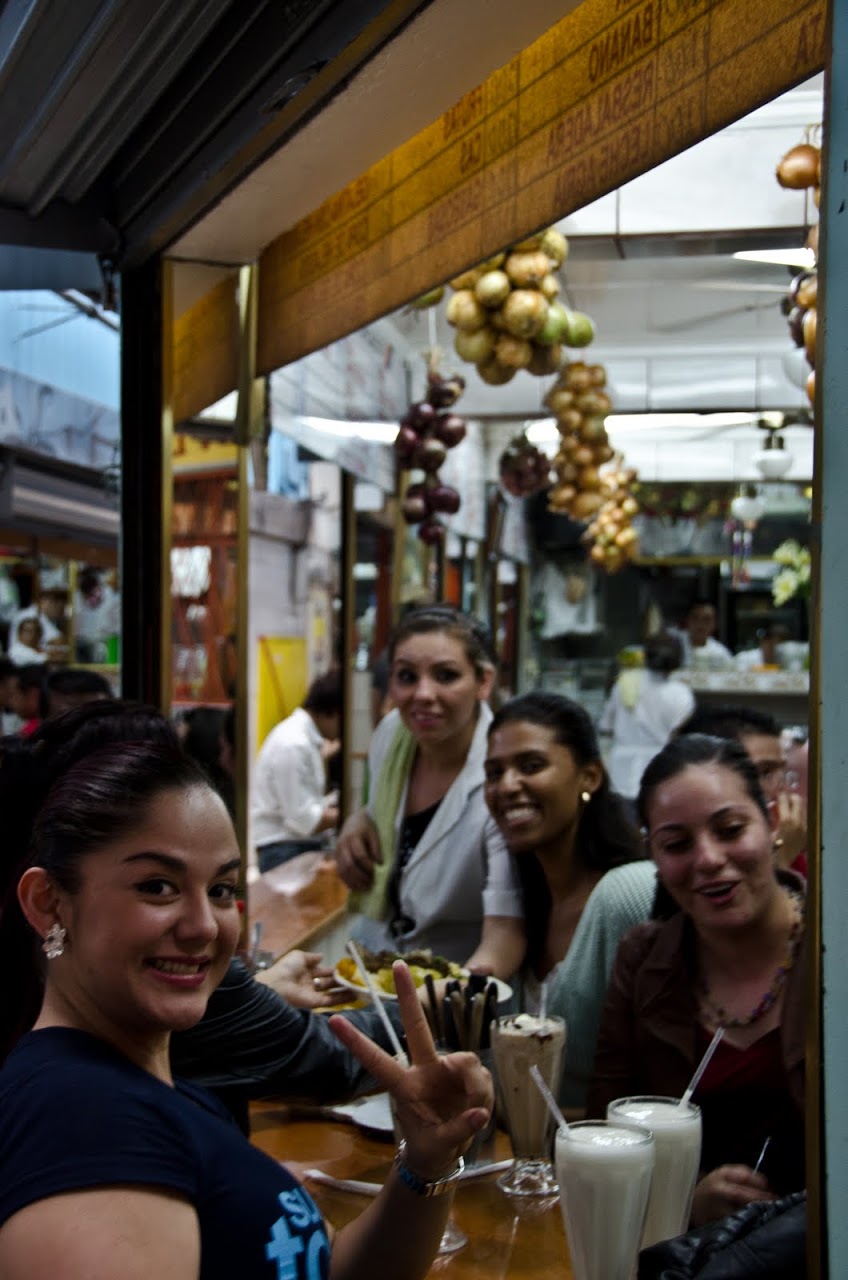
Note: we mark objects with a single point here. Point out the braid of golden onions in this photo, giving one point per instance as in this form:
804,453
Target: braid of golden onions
507,313
586,488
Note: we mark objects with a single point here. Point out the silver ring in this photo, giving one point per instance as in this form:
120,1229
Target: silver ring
316,982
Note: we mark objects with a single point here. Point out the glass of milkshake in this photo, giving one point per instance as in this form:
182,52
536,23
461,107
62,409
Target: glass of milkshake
677,1139
520,1041
604,1173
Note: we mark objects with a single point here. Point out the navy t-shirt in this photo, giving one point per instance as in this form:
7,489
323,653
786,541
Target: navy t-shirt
76,1114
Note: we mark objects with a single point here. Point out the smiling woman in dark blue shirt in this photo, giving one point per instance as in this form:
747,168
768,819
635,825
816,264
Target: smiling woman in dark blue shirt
121,866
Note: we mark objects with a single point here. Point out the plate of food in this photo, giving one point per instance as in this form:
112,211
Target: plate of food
421,965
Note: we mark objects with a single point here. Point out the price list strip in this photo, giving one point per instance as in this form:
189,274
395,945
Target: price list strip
615,88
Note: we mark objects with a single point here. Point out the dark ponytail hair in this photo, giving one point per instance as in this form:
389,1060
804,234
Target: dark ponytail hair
606,837
81,780
697,749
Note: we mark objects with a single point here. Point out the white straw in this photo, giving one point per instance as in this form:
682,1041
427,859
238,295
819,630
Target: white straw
379,1006
548,1096
702,1066
543,999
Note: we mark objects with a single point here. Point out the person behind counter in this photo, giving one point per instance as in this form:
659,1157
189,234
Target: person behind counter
427,864
758,734
579,860
27,647
730,957
643,710
119,918
289,804
765,654
697,637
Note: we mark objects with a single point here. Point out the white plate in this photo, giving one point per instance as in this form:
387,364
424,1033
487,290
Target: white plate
372,1113
503,988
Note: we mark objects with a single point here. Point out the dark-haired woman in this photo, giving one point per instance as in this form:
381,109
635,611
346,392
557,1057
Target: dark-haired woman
730,957
576,854
118,919
427,864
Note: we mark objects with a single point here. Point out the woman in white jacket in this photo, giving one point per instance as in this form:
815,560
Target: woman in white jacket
426,862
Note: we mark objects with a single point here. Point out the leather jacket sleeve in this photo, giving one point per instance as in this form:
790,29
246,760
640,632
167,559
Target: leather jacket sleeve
251,1039
763,1241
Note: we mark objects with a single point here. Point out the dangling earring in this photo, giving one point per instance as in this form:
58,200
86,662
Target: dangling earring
585,796
53,945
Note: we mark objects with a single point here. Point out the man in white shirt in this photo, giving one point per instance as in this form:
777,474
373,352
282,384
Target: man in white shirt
697,639
289,808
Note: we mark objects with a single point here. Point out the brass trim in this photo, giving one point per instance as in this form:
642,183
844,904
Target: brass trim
167,445
248,313
348,532
240,705
522,606
398,546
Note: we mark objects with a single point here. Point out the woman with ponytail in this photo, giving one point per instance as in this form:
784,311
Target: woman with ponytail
579,861
118,920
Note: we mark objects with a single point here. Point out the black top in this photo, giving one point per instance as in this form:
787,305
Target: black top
251,1043
77,1115
412,829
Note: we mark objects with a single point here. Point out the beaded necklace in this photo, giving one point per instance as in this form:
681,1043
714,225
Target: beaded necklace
719,1014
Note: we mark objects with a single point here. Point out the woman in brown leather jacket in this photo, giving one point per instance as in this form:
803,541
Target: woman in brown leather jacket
730,956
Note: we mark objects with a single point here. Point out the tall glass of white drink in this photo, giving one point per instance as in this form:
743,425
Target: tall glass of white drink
520,1041
604,1173
677,1138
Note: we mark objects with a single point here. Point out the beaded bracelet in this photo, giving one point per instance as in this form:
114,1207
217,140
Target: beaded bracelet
437,1187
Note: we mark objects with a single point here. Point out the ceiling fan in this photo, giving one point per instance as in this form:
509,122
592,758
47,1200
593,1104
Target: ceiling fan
694,322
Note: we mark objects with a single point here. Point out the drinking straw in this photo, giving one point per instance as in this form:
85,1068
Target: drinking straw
761,1157
543,999
701,1068
378,1005
438,1028
540,1084
255,939
458,1010
475,1031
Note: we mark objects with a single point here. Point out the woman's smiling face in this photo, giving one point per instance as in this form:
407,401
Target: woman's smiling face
713,846
436,687
154,923
534,785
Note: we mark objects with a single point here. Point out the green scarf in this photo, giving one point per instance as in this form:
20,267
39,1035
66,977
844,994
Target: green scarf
388,791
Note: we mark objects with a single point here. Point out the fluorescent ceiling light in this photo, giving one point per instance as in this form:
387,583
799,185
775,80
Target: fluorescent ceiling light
544,430
804,259
222,410
380,432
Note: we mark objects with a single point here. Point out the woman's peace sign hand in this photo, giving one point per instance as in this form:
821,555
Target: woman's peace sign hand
441,1100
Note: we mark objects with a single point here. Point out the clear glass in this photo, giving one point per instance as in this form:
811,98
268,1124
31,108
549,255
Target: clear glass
677,1142
604,1172
453,1238
520,1041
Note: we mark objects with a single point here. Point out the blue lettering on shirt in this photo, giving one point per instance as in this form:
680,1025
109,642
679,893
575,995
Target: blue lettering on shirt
299,1212
284,1249
300,1207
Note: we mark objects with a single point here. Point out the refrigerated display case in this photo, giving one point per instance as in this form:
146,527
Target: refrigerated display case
748,609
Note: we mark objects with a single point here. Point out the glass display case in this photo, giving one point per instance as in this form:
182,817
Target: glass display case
746,610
